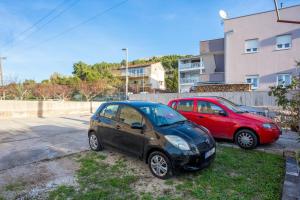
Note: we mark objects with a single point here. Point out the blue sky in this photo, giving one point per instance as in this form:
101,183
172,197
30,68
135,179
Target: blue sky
146,27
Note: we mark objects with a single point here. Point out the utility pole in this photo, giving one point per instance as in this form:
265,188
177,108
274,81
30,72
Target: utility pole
1,75
1,71
143,80
126,87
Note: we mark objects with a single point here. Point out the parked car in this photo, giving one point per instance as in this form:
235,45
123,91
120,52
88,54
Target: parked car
228,121
153,132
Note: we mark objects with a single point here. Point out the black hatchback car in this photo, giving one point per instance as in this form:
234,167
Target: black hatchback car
155,133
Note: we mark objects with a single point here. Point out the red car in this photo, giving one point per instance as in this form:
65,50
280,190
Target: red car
226,120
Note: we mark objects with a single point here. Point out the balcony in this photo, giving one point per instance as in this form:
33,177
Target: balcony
190,66
134,74
190,80
217,77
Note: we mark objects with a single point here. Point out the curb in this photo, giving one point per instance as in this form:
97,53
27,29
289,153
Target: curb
291,184
279,152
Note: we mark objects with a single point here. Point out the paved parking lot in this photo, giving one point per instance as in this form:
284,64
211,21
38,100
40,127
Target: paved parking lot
24,141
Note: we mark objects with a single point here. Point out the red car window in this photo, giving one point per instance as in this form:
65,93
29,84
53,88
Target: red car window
185,105
173,105
208,107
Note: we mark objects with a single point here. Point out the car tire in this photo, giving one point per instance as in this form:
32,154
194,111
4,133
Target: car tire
94,142
160,165
246,139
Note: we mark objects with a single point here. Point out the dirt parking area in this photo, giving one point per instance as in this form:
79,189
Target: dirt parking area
40,154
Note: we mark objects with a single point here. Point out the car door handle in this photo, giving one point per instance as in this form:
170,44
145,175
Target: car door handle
201,117
118,126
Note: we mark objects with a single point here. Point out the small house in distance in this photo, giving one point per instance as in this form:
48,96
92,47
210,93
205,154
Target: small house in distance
148,77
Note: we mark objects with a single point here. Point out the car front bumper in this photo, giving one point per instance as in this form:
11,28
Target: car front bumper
269,136
192,161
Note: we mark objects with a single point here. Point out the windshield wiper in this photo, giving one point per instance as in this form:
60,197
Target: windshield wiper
180,121
241,111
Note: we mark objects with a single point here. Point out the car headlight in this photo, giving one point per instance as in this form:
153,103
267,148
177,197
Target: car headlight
268,125
178,142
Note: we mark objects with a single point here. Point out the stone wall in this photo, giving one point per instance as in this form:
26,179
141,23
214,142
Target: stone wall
21,109
223,88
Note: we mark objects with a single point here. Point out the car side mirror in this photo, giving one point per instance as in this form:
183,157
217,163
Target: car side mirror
222,113
136,125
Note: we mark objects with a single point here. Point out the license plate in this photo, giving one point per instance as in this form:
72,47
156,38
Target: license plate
210,152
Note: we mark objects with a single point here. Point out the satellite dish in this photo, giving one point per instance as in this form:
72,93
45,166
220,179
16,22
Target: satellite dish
223,14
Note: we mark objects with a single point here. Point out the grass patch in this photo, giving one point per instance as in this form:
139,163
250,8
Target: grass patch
235,174
14,187
62,192
98,180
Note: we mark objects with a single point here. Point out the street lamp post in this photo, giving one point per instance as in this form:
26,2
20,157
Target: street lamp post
1,76
126,73
1,71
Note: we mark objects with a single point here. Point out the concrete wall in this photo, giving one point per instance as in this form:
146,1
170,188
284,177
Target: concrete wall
21,109
257,98
268,62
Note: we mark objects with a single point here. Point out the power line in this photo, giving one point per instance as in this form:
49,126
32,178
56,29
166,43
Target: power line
36,23
79,24
49,21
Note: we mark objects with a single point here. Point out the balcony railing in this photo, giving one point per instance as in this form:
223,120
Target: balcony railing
190,65
213,77
189,80
134,74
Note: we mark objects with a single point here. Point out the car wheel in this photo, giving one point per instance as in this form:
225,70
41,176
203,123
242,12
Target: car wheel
94,142
160,165
246,139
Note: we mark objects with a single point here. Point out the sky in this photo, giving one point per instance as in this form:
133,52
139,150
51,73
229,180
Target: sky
146,27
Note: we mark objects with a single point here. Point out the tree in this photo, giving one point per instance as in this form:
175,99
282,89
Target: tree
85,72
63,92
91,89
43,91
18,91
172,82
289,99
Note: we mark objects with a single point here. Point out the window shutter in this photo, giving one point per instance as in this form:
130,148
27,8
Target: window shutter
250,44
283,39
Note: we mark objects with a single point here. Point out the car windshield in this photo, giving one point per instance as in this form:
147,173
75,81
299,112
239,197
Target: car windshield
162,115
230,105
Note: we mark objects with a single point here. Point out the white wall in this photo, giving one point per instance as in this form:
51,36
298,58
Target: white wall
157,74
20,109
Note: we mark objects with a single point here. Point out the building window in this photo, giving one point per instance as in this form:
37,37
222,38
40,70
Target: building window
253,80
251,46
284,79
283,42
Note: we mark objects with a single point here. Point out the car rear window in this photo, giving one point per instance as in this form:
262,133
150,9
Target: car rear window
185,105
